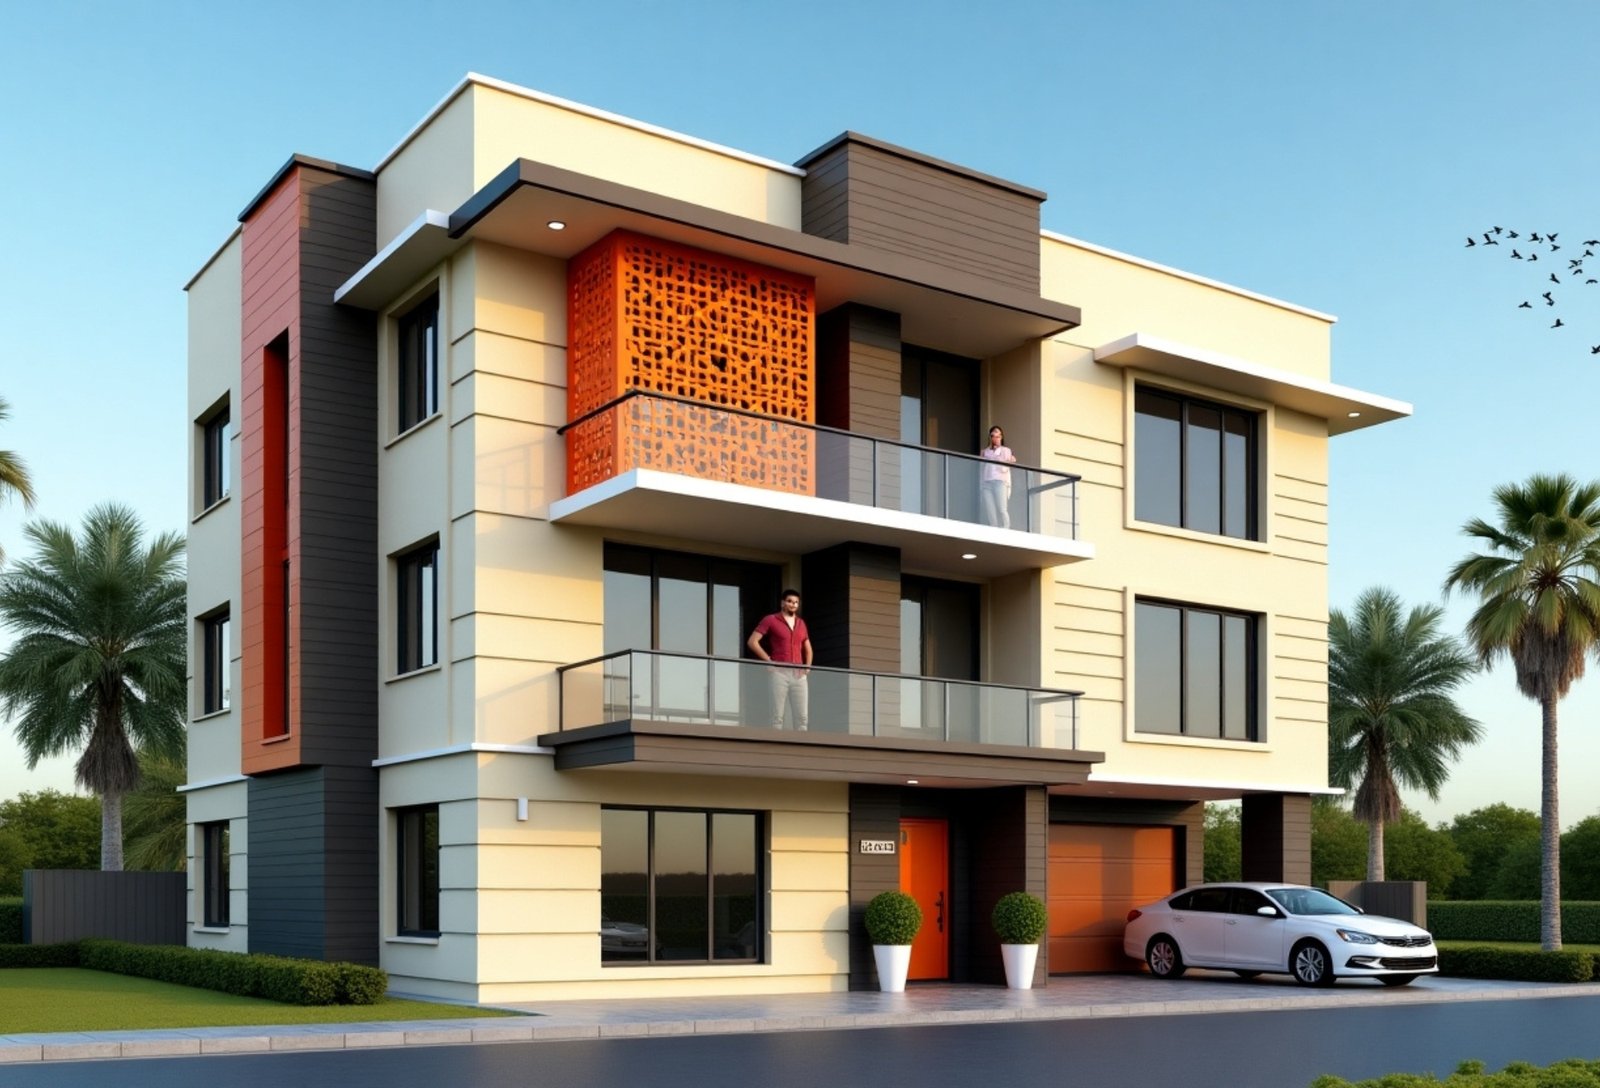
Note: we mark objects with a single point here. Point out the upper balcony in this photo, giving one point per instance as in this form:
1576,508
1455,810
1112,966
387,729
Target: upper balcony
695,471
689,713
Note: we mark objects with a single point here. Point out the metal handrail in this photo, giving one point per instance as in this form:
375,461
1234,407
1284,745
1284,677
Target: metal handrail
1062,477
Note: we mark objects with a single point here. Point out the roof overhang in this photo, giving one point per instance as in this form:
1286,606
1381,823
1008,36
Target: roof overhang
650,746
1345,409
1183,789
964,314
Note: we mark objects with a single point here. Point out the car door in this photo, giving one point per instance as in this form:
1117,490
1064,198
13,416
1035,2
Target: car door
1253,939
1201,925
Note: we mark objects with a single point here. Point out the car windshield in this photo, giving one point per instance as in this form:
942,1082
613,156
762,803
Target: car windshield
1310,901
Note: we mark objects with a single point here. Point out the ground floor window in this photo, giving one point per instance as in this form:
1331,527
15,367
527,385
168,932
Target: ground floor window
679,886
214,868
417,848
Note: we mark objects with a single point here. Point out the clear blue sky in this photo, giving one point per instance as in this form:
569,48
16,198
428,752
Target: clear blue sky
1334,155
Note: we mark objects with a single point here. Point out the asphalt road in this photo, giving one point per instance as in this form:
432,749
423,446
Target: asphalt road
1226,1050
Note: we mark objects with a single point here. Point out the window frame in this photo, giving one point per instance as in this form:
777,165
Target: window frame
417,883
215,886
1251,681
761,889
416,607
216,648
1187,402
417,364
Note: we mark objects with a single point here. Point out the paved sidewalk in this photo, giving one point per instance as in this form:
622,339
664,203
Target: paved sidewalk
1201,992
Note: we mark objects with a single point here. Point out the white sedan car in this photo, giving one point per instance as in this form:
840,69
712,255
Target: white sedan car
1254,928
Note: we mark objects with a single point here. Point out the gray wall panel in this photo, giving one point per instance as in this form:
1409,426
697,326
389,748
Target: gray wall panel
71,904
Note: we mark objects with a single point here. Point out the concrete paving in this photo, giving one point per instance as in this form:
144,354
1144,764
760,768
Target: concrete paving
1200,993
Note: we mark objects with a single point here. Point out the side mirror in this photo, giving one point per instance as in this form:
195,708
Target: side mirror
1267,912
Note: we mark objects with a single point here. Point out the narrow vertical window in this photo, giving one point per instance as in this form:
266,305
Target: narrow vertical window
418,348
417,850
214,482
417,606
216,655
214,849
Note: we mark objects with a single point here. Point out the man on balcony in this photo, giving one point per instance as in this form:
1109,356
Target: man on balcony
783,640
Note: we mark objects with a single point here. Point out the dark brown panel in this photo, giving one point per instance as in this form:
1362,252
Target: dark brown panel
61,905
1275,837
852,606
1009,840
874,814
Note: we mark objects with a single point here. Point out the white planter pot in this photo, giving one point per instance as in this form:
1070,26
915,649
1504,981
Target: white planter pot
893,960
1019,960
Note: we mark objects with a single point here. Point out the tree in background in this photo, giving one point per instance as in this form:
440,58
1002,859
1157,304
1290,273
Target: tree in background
1392,720
1580,860
14,478
157,816
1518,874
1224,859
1539,607
1419,852
1484,836
1338,843
47,830
99,658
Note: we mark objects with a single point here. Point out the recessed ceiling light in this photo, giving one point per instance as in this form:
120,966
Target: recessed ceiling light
1355,415
969,555
911,781
556,224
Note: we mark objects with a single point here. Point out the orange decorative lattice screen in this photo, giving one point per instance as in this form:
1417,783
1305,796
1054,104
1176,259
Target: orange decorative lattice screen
654,316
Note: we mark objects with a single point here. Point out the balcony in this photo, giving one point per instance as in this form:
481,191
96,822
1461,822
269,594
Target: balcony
711,474
688,713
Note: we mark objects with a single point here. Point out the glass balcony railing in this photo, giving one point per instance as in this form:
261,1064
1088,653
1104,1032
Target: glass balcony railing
739,693
691,438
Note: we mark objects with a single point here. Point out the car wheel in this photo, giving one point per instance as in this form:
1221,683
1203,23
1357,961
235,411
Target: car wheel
1396,980
1309,964
1163,957
1246,974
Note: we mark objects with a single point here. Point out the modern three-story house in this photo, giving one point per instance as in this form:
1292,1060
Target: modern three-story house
504,447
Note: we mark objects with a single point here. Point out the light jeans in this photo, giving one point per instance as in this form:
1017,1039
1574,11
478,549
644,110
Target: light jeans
789,690
995,507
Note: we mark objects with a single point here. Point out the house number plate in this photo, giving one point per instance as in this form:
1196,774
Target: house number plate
877,846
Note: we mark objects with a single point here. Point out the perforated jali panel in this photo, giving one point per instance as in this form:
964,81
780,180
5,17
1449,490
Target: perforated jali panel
655,316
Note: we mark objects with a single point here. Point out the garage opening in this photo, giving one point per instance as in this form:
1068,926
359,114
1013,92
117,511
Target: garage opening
1097,873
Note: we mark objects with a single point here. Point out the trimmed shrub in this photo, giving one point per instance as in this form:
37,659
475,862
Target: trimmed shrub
1020,918
1516,964
1572,1073
893,918
10,921
276,978
1510,920
39,955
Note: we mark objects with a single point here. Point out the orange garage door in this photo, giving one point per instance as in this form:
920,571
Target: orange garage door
1097,873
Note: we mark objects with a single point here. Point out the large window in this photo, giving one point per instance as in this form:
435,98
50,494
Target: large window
214,868
215,660
418,373
1194,671
679,887
417,853
417,606
214,483
1196,464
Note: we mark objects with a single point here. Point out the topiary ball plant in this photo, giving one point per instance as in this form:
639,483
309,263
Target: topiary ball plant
893,918
1020,918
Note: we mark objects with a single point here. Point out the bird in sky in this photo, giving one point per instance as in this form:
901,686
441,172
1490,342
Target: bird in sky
1525,306
1557,325
1548,300
1546,243
1553,278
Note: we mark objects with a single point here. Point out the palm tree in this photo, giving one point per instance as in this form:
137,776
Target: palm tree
1539,606
1391,718
99,656
14,478
157,814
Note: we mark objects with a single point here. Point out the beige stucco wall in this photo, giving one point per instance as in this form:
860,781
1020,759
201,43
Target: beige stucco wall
226,802
1086,419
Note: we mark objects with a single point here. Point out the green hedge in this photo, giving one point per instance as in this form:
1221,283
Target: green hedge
10,921
1510,920
276,978
39,955
1517,964
1572,1073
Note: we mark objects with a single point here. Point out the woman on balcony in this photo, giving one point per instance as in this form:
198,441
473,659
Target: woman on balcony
995,498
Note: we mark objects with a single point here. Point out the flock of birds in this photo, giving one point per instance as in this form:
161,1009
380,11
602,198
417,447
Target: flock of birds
1534,242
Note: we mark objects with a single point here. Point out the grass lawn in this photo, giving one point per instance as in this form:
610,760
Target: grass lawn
77,999
1526,946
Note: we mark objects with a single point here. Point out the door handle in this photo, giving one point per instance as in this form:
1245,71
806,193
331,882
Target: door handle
938,906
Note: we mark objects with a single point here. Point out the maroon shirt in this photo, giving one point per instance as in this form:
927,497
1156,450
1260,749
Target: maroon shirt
782,644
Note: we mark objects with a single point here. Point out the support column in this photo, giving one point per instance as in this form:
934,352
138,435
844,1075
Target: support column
858,383
1275,837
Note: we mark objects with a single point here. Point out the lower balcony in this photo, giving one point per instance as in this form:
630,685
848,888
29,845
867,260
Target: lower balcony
688,713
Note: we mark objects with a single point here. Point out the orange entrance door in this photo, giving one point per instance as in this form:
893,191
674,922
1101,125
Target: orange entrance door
925,876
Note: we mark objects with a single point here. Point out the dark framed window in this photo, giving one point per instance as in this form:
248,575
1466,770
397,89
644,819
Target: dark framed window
214,863
418,349
417,606
1194,671
680,886
216,655
1195,464
417,857
214,481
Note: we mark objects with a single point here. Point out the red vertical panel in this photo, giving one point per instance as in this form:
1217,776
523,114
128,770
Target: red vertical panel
270,290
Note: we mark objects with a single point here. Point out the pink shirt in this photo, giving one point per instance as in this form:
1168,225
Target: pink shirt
997,453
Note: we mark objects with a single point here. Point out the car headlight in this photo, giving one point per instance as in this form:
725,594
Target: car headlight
1356,936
